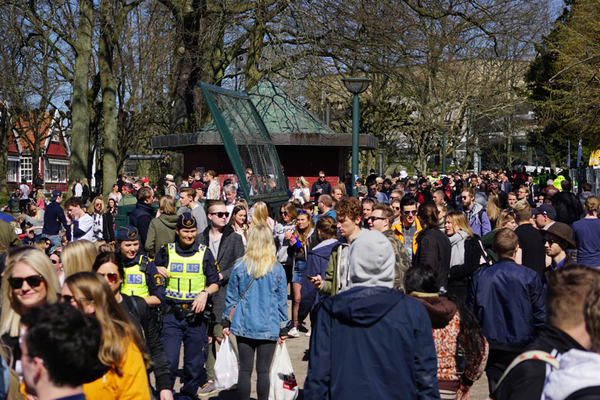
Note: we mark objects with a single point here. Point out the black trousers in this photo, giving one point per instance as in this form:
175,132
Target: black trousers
264,356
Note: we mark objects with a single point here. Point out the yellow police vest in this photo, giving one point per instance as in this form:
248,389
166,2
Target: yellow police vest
134,282
187,278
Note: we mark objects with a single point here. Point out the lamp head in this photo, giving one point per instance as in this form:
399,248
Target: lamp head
356,85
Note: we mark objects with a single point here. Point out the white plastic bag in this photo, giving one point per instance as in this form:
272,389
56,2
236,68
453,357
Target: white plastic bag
283,380
226,366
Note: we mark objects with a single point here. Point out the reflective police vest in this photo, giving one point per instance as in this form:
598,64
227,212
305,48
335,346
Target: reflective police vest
187,278
134,282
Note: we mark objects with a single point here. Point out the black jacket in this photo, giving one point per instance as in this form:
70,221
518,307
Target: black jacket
326,186
434,249
231,249
568,208
140,217
526,380
145,321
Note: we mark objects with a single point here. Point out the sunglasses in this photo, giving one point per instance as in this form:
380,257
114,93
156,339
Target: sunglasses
54,261
396,208
112,277
302,212
372,219
410,212
282,213
394,197
549,241
464,197
221,214
33,281
65,298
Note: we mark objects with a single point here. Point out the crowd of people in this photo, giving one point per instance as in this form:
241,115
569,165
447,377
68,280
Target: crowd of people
413,289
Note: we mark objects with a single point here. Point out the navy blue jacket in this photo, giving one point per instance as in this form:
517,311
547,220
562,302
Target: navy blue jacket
509,302
53,217
371,342
140,217
316,264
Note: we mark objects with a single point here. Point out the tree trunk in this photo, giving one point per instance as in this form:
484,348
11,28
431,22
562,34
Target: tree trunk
109,98
80,138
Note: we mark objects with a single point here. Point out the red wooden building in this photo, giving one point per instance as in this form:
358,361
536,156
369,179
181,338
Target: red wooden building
55,150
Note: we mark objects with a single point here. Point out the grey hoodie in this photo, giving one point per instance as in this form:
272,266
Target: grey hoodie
578,370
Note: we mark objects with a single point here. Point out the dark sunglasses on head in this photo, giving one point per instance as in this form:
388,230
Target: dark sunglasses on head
112,277
33,281
394,197
372,219
221,214
410,212
302,212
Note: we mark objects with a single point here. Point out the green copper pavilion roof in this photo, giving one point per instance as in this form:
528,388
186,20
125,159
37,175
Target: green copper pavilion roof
287,122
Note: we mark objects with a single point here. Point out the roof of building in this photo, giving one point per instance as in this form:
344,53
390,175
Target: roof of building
287,122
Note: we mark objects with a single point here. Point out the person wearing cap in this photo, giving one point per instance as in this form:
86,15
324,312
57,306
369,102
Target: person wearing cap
80,224
170,187
53,218
544,216
192,278
433,177
557,238
141,278
393,332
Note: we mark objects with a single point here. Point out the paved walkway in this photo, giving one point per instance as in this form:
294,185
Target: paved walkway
298,349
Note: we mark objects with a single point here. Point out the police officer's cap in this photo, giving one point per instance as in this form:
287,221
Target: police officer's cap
128,233
186,221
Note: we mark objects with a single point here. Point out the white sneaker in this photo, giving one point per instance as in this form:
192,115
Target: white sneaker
294,333
307,334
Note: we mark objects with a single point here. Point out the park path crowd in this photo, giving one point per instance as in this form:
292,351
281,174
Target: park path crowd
413,289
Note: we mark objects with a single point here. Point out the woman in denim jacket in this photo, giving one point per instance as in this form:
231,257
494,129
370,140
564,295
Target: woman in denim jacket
256,309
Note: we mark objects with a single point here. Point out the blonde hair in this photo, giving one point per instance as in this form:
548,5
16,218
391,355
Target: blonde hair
458,219
260,253
504,218
40,195
93,207
168,205
592,203
302,181
493,207
10,316
116,325
303,235
78,256
259,214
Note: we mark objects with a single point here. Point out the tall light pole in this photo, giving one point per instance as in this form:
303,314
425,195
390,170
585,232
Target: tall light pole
355,86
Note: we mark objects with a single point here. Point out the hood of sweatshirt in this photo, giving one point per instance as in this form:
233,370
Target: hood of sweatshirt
578,370
363,306
170,221
441,310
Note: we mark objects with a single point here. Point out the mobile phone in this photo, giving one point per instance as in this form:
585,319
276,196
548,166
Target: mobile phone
310,278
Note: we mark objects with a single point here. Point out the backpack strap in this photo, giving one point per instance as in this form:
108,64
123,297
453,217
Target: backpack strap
528,355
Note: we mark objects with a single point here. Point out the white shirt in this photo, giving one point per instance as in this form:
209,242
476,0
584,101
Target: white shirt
86,224
78,190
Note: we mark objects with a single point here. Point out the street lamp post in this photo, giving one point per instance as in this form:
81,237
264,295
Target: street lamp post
355,86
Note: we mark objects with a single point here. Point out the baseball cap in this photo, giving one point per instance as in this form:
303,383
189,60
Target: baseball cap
544,209
55,194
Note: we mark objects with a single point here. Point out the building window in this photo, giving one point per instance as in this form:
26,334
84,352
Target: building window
26,169
55,173
12,171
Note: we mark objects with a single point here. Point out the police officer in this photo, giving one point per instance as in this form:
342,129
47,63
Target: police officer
141,276
193,278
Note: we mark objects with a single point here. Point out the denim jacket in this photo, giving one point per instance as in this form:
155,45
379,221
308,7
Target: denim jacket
262,312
